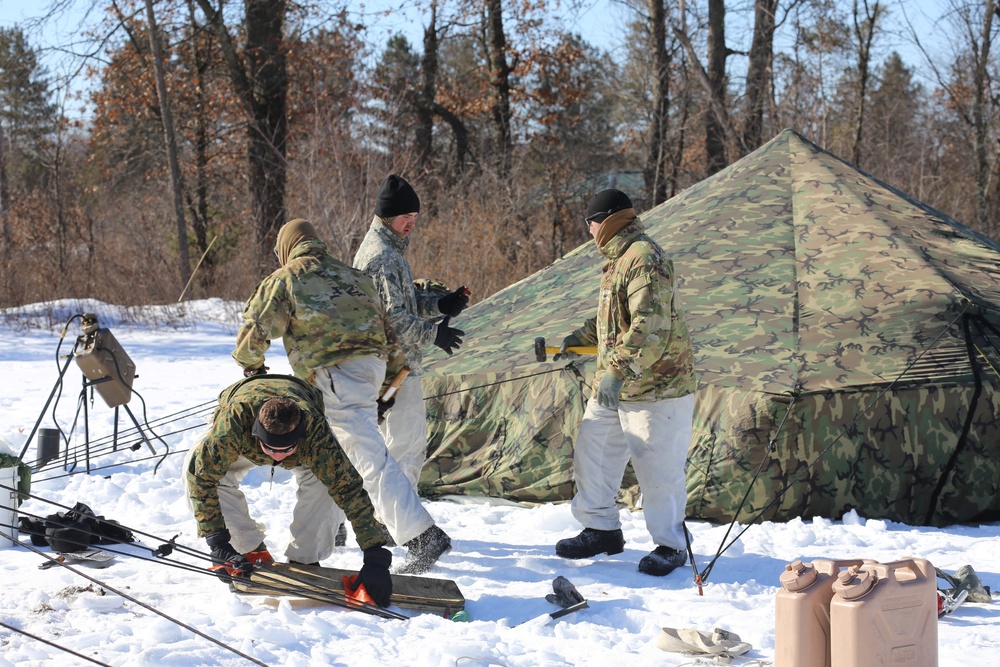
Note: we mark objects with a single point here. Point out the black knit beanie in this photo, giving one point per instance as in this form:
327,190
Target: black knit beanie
396,197
608,202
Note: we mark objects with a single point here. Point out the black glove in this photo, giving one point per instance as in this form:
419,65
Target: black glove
454,303
564,354
448,338
383,407
250,372
375,575
233,563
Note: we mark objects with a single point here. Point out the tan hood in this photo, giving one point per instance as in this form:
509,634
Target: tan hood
613,224
290,235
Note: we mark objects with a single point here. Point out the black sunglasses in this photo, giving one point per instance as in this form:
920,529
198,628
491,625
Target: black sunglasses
597,217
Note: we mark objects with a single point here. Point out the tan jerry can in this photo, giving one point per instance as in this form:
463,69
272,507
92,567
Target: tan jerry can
885,614
802,612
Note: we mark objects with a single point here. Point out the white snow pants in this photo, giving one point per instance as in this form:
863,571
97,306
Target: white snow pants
656,436
313,527
350,391
405,429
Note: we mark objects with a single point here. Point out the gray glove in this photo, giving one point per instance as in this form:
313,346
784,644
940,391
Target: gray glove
564,354
565,594
609,391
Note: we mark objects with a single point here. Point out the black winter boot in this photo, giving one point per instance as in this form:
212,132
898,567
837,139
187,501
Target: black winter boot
591,542
424,550
662,561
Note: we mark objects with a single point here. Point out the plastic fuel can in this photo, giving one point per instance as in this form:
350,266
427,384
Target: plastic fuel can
885,614
802,612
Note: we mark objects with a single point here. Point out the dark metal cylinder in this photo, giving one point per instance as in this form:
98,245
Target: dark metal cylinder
48,445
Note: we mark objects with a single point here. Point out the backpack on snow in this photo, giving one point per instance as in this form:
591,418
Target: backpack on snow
74,530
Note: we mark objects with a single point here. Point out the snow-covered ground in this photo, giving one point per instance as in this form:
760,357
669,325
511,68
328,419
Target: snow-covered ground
503,558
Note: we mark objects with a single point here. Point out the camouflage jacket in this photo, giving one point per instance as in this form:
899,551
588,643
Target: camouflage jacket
324,311
410,309
230,437
640,332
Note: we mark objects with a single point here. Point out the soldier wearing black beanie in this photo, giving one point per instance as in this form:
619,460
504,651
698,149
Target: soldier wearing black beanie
396,197
606,202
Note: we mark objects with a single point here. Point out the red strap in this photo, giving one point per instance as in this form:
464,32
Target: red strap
232,571
262,557
356,591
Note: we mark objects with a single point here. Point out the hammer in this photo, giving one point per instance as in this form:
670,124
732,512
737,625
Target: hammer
395,384
541,351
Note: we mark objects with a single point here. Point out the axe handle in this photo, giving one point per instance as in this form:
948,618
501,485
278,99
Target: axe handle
579,349
395,384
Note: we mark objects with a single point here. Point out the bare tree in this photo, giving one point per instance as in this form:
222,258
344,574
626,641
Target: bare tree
167,119
975,20
656,135
261,83
500,73
759,72
864,33
716,154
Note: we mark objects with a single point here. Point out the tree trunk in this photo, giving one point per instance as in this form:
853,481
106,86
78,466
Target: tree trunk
500,71
656,136
715,144
716,101
864,31
199,207
4,203
759,72
262,86
428,89
980,118
183,263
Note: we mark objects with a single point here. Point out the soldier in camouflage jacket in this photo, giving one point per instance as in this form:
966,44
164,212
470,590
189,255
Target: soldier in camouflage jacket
214,467
338,338
643,400
414,312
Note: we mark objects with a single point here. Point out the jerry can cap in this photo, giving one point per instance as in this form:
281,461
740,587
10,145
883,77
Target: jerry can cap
854,583
797,576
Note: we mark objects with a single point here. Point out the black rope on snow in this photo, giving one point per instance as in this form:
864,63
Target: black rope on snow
135,531
826,449
962,443
331,596
53,644
312,592
138,602
105,444
771,447
498,382
110,465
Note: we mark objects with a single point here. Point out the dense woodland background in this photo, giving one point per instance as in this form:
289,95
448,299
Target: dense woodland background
209,123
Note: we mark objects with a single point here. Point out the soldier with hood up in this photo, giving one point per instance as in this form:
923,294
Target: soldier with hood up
338,338
420,315
643,402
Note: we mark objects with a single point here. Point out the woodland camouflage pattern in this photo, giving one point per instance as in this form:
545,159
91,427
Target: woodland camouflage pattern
805,283
230,437
639,330
410,306
324,311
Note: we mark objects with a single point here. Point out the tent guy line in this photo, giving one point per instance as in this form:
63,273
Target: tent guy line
136,601
52,644
703,577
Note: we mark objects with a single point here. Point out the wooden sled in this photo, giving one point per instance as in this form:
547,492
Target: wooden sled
408,592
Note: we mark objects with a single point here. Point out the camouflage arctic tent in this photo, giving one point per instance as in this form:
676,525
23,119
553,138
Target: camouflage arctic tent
846,342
